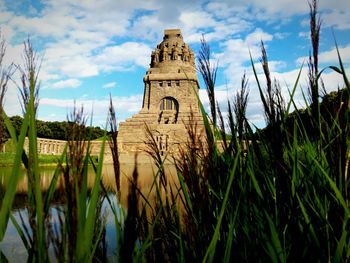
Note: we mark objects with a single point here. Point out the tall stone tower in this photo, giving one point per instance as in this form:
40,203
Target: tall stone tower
170,98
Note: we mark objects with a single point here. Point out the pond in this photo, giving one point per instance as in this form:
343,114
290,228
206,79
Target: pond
12,246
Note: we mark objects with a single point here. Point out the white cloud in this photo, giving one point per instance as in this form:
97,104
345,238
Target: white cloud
12,104
235,52
197,19
132,103
333,13
75,31
224,9
330,56
5,16
68,83
13,54
79,67
257,36
220,31
6,31
337,19
193,22
124,56
97,109
109,85
69,58
261,10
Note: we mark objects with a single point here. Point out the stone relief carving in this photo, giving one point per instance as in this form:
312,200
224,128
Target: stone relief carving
156,55
191,57
185,52
175,52
162,143
167,117
165,53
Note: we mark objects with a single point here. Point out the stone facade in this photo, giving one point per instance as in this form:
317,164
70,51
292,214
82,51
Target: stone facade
170,99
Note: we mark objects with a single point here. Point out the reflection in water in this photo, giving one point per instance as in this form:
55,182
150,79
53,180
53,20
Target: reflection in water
145,180
12,246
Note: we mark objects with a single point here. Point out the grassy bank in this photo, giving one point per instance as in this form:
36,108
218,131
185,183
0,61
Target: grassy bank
6,159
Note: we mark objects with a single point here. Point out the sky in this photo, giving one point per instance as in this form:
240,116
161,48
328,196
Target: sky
92,49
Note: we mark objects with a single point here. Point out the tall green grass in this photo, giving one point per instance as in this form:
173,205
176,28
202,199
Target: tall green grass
281,196
78,235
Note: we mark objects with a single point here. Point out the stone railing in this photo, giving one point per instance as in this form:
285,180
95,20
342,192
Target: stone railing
48,146
56,147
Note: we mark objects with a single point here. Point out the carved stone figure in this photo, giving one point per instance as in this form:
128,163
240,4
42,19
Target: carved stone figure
185,52
191,57
152,59
162,143
175,52
165,53
156,55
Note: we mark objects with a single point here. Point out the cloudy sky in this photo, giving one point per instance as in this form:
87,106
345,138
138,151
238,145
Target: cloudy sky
91,49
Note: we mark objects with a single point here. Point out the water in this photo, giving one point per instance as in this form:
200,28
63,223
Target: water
12,246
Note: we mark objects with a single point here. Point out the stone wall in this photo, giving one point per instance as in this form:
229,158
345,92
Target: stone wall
56,147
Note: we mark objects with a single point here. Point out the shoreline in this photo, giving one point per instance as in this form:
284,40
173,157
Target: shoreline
7,159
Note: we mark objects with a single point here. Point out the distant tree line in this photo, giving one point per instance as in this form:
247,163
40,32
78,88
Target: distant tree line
329,109
53,129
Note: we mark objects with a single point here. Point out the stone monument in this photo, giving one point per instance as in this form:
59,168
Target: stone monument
170,101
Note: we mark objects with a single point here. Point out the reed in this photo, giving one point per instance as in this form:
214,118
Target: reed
208,71
4,77
113,142
81,223
255,201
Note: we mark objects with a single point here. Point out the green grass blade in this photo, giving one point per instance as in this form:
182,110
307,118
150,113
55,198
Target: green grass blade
338,257
209,255
251,172
336,69
82,194
262,96
228,248
148,241
334,187
14,138
291,94
85,238
346,81
307,220
185,191
209,132
276,247
97,242
11,187
33,170
53,183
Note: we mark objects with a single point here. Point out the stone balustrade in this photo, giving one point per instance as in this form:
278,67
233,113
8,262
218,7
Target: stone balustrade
56,147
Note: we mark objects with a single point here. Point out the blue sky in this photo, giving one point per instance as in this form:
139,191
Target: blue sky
91,49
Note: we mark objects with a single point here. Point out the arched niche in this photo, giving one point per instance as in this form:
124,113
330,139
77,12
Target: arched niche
168,110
